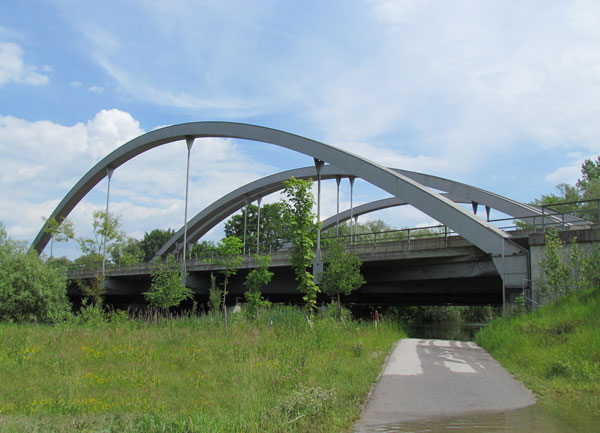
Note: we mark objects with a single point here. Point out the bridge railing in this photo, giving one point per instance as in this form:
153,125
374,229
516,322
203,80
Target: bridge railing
574,214
561,216
364,243
407,235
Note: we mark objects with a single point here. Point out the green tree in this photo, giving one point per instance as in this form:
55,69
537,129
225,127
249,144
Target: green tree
60,230
167,289
214,295
567,193
153,242
298,203
341,274
90,260
557,277
590,173
127,252
204,250
255,281
103,228
92,289
359,230
30,289
228,259
587,187
593,268
274,232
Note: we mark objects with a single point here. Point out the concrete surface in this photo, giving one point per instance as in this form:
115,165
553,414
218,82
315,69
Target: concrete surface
427,379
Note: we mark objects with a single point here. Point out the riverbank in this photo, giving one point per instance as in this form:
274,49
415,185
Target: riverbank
554,351
187,375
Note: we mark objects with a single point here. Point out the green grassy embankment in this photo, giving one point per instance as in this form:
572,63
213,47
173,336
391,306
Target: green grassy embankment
187,375
554,351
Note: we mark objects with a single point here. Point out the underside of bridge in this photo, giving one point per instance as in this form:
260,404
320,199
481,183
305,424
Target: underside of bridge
387,284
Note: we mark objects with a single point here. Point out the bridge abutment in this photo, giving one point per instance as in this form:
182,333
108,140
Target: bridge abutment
587,239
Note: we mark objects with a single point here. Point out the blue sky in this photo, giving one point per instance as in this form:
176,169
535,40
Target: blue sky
502,95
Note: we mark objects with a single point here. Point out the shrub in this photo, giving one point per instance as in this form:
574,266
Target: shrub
215,295
167,289
30,289
557,276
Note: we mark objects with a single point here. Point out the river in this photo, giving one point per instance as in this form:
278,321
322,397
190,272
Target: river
534,419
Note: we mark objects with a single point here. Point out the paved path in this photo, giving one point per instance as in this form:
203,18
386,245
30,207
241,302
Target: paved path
426,379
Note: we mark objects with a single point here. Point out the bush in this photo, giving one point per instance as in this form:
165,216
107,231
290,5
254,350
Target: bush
30,289
167,289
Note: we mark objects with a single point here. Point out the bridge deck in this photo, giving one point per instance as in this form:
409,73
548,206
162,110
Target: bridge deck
371,251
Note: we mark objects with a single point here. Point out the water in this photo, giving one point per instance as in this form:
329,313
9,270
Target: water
445,331
534,419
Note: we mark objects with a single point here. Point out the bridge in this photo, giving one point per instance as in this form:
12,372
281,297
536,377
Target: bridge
486,261
413,270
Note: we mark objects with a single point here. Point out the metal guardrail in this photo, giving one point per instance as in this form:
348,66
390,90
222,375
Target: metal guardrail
552,217
363,243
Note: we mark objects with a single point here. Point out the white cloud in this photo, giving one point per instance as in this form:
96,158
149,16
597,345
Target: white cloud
449,78
395,157
567,174
571,172
96,89
76,84
44,160
463,89
13,69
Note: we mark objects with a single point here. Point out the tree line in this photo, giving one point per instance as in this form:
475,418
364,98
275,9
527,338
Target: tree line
291,220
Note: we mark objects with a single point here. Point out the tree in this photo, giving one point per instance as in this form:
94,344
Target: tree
104,228
341,274
30,289
204,249
568,194
256,280
590,171
329,236
229,259
274,232
127,252
214,295
90,260
167,289
153,242
60,230
586,188
93,288
557,277
300,217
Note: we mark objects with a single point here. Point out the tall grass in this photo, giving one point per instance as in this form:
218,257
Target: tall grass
555,351
187,375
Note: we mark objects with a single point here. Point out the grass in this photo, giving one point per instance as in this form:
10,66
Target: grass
554,351
187,375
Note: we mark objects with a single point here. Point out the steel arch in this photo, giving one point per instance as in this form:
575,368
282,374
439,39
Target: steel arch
219,210
480,233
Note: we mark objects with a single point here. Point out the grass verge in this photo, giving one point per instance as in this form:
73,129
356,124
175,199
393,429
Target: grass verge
554,351
187,375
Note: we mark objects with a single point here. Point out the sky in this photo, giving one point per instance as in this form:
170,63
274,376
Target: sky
501,95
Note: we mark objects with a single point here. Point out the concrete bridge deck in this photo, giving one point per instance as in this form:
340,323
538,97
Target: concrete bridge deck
436,270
